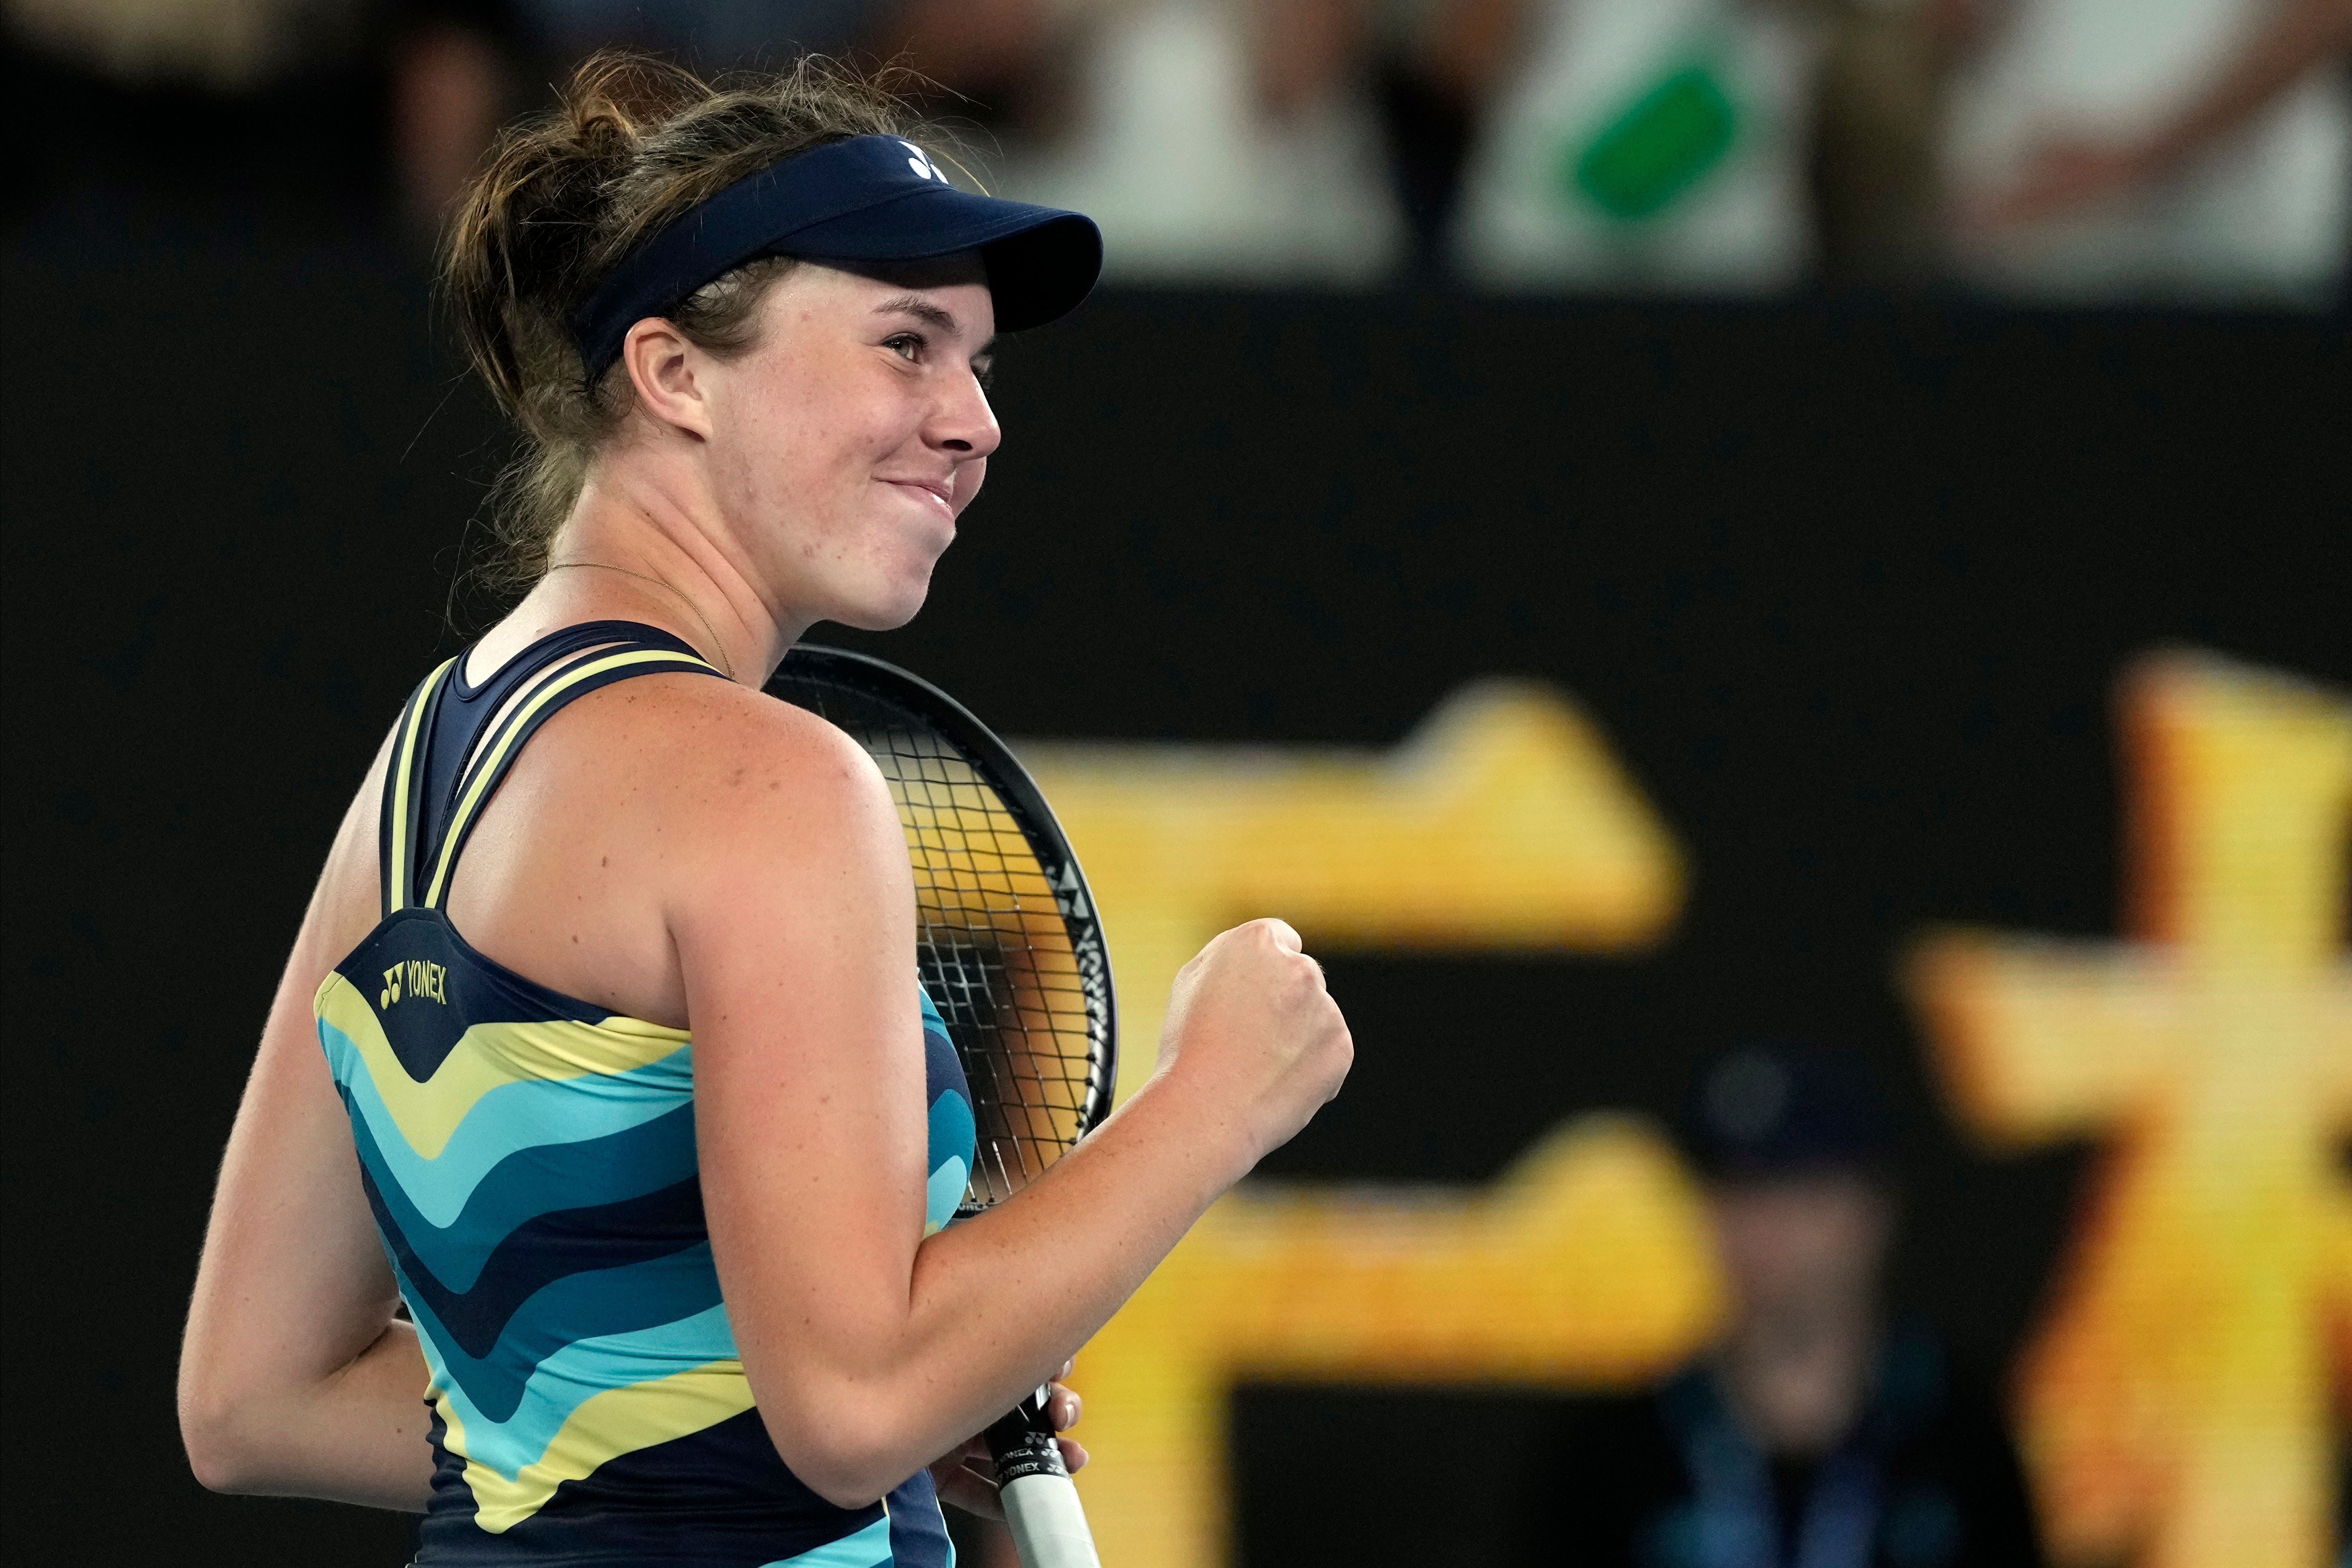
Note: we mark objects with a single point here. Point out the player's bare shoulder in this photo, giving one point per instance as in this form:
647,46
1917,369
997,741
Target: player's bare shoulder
731,768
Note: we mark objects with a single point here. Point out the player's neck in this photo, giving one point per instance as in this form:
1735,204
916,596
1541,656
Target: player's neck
639,536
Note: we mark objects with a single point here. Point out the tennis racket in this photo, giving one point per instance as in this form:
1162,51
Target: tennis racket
1009,949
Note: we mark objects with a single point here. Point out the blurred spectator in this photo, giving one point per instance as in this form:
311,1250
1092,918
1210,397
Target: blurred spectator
1877,119
1841,100
709,34
1813,1434
342,104
2134,148
1644,145
1724,146
1215,141
1435,62
2160,149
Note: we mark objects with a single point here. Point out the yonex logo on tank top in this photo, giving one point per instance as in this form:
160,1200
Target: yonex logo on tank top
416,977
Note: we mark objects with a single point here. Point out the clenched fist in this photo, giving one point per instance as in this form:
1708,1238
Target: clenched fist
1251,1029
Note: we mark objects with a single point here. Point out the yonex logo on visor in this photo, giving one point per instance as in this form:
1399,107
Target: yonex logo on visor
848,202
921,163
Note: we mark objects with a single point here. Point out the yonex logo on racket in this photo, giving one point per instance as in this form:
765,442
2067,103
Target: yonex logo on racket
1094,979
1071,895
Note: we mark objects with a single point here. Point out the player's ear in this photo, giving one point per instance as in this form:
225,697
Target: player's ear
662,366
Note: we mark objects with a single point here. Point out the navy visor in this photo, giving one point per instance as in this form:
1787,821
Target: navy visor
868,198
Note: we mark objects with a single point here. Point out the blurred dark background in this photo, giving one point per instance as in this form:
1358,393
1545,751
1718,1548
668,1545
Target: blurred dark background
1844,558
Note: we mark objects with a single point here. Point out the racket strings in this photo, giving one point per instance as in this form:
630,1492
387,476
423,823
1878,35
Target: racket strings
995,954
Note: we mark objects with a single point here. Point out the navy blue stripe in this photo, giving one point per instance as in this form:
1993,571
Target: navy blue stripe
428,691
720,1497
596,1304
453,735
508,752
587,1245
536,1186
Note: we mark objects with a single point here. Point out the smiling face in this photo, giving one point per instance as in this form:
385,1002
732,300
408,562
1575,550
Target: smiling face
844,444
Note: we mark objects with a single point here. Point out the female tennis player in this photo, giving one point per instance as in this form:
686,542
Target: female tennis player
601,1047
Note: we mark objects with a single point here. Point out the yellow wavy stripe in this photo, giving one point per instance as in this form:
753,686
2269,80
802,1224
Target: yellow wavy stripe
486,1056
487,769
396,895
605,1425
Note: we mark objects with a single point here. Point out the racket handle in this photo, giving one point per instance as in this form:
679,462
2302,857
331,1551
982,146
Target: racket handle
1041,1504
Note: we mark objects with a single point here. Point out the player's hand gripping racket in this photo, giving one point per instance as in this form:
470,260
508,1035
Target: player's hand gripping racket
1013,957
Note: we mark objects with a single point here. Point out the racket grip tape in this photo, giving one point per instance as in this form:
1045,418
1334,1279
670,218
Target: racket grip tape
1040,1503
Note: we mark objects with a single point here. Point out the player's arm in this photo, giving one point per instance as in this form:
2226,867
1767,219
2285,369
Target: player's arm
2299,36
2071,172
870,1349
295,1378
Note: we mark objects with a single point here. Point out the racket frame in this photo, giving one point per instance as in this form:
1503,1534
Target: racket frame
879,682
1042,1508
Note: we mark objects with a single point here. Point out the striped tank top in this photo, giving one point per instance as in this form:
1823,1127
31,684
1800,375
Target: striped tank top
530,1163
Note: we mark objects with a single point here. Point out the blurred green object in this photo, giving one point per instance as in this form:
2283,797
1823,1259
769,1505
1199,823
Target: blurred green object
1662,144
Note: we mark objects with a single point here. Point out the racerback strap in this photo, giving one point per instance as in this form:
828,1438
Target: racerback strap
455,743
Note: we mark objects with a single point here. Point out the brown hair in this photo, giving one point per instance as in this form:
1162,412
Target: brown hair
634,143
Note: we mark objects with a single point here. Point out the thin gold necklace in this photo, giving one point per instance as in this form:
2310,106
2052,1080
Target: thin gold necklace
717,647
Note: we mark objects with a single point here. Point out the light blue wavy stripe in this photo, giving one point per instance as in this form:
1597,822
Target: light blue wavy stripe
611,1305
509,1118
532,1185
943,1192
572,1376
949,1137
857,1551
527,1187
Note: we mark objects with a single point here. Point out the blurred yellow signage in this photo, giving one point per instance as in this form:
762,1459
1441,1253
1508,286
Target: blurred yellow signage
1504,822
2176,1403
1587,1264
